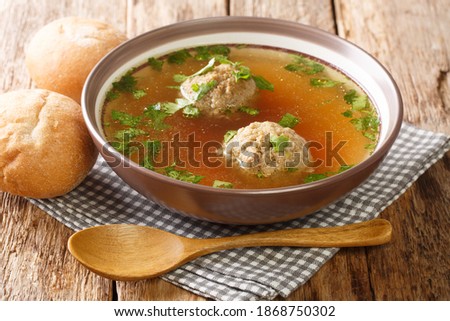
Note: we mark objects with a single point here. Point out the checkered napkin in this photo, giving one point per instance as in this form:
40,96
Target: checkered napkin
249,273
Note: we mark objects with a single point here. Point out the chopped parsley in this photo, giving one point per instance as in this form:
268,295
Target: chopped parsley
279,143
151,149
222,184
260,174
243,72
208,52
358,102
139,93
129,133
180,77
289,120
249,110
209,66
157,114
229,135
347,113
202,89
111,95
191,111
304,65
123,147
323,82
125,119
262,83
178,57
367,122
156,64
316,177
126,84
182,175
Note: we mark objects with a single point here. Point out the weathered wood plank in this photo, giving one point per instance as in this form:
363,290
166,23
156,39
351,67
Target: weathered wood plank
143,16
411,39
35,263
154,290
315,13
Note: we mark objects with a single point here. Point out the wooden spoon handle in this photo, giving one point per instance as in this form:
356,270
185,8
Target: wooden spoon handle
373,232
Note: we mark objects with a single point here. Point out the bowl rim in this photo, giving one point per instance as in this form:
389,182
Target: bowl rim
380,152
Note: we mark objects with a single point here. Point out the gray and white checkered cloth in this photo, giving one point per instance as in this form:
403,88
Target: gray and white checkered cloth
250,273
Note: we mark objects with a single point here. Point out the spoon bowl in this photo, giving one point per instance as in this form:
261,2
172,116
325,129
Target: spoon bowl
128,252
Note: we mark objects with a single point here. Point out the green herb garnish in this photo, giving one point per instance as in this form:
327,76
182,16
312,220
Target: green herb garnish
182,175
156,64
202,89
323,82
222,184
279,143
157,114
179,57
207,52
125,119
368,123
209,66
347,113
243,72
191,111
304,65
151,149
249,110
129,133
260,174
262,83
229,135
315,177
289,120
139,93
111,95
126,84
123,147
358,102
350,96
180,77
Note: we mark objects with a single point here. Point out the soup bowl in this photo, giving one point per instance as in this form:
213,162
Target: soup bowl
244,206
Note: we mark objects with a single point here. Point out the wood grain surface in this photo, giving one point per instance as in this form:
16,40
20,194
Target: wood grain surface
409,37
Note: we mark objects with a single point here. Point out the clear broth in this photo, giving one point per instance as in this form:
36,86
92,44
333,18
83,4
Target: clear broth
320,110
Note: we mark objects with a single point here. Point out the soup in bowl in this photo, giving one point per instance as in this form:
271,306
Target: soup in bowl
241,120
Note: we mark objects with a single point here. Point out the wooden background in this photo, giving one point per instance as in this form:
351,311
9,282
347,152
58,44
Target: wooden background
410,37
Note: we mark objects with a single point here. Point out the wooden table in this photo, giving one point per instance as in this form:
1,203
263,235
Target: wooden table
410,37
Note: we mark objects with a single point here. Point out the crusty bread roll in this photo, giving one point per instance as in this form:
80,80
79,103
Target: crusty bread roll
45,148
62,54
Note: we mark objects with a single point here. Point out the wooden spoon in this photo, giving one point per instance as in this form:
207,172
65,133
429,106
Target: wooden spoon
130,252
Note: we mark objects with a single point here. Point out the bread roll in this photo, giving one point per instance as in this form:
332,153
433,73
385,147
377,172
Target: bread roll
62,54
45,148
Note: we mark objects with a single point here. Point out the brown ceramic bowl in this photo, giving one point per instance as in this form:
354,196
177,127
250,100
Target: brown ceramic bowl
256,206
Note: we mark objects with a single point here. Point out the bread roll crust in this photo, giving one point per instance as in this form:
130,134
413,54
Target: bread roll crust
46,150
62,54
